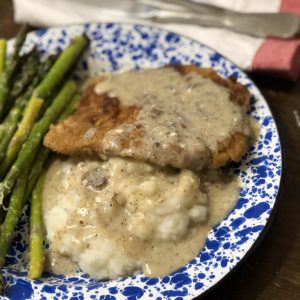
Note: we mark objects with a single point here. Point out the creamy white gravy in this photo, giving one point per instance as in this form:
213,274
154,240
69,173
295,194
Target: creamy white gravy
182,117
158,218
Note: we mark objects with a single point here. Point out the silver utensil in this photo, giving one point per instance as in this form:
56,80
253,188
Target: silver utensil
280,25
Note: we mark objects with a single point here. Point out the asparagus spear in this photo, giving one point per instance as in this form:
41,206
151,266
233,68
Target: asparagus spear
21,134
64,62
12,65
21,100
19,197
14,210
16,204
19,41
3,92
70,108
2,55
42,69
37,166
8,128
9,125
26,156
43,152
28,71
44,89
36,251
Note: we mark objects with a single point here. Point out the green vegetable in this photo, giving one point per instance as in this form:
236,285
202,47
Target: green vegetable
32,144
21,134
3,92
36,238
28,71
16,205
12,60
70,108
43,152
9,125
13,63
60,68
7,129
37,167
2,55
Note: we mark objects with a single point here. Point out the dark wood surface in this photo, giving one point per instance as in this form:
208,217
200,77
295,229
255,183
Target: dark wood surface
272,271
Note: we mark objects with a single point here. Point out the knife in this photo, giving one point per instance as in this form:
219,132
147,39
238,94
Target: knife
279,25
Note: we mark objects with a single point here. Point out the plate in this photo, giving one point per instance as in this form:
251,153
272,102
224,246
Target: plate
120,47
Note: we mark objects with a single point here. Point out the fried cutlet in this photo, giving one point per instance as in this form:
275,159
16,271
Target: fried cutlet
148,126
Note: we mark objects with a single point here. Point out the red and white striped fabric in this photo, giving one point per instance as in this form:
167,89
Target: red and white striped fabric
275,56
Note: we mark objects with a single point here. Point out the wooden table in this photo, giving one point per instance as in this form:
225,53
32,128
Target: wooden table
272,272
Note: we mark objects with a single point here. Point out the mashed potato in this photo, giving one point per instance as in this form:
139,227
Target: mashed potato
104,215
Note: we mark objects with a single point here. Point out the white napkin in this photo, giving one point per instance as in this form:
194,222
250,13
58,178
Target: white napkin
248,52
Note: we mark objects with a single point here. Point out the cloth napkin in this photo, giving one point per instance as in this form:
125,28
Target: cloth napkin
275,56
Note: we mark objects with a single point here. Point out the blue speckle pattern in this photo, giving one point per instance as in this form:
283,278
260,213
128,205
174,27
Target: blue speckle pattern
121,47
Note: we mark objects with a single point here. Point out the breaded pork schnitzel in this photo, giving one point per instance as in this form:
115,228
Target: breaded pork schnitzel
180,116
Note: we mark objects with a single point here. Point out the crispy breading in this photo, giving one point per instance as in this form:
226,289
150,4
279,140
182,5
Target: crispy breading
83,133
232,149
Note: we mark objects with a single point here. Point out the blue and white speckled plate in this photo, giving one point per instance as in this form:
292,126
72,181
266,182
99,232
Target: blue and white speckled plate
122,47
